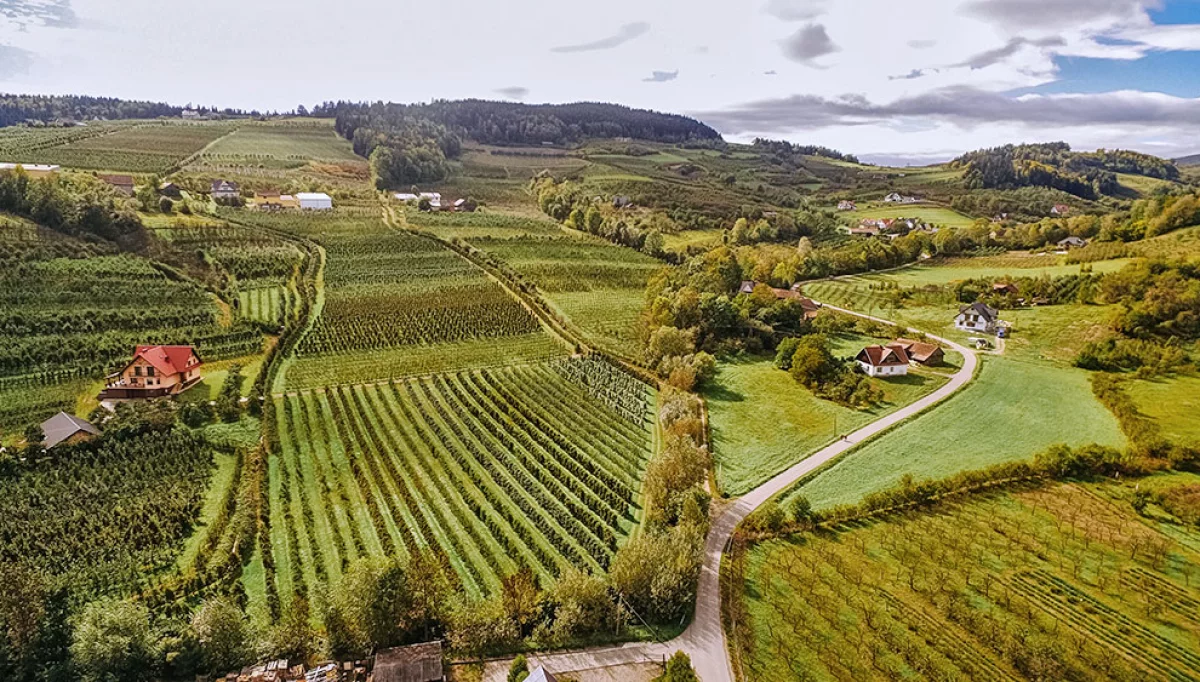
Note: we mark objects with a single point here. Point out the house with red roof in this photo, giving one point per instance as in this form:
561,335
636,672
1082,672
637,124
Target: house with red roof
883,361
154,372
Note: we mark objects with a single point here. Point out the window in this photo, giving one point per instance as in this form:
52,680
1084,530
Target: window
149,371
137,371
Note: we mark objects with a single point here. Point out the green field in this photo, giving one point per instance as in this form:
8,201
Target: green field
282,141
936,215
762,421
1011,411
1172,402
494,469
1048,583
598,286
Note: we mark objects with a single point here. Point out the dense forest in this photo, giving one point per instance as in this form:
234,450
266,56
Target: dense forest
1084,174
510,123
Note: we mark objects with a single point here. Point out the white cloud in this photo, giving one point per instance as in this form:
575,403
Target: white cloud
272,54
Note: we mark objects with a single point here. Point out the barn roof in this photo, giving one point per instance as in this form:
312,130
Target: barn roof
117,179
881,356
62,426
916,350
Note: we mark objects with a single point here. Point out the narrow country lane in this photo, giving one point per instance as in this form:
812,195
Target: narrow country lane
704,639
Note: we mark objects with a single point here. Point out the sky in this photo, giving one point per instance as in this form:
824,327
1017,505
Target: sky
894,81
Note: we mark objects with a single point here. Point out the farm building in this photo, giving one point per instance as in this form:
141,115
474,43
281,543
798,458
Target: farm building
67,429
897,198
1060,210
977,317
224,189
811,307
405,196
314,201
413,663
191,115
883,361
33,170
274,200
122,183
170,189
154,372
1002,288
847,206
920,352
1072,243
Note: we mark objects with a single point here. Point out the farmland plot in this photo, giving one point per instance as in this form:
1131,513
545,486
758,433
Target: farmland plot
598,286
286,141
144,148
536,465
1047,583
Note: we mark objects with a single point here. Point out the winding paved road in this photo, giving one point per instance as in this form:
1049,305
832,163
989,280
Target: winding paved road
704,640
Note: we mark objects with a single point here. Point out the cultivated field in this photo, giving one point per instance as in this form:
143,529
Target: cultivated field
1011,411
147,147
283,141
536,465
1050,582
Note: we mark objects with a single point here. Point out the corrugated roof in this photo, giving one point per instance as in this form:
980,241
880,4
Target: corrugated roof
413,663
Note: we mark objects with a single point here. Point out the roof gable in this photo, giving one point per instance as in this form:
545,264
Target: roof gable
167,359
883,356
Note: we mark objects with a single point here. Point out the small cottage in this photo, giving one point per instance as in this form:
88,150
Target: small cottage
122,183
883,361
154,372
170,189
1060,210
225,189
847,206
977,317
66,429
1072,243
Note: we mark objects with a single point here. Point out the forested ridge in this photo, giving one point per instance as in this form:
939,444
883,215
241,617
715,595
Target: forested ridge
1085,174
35,109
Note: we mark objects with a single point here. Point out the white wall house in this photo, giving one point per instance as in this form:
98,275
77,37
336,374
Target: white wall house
882,361
314,201
977,317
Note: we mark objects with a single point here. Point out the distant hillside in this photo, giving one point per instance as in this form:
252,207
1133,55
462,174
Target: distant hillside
513,123
1193,160
16,109
1088,175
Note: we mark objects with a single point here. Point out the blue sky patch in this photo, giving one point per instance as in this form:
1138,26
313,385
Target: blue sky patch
1172,73
1177,12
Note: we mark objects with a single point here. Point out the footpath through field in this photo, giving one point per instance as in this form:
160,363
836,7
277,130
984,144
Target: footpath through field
704,640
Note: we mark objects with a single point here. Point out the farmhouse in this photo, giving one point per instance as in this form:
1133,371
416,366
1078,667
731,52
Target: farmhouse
191,115
883,361
33,170
122,183
314,201
896,198
977,317
413,663
1072,243
224,189
1060,210
847,206
170,189
154,372
920,352
66,429
810,307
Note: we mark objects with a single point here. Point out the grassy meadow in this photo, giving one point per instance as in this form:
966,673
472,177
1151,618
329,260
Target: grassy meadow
936,215
1011,411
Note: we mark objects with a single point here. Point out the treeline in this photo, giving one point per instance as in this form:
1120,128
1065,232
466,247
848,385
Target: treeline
786,151
41,109
1084,174
513,123
77,205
